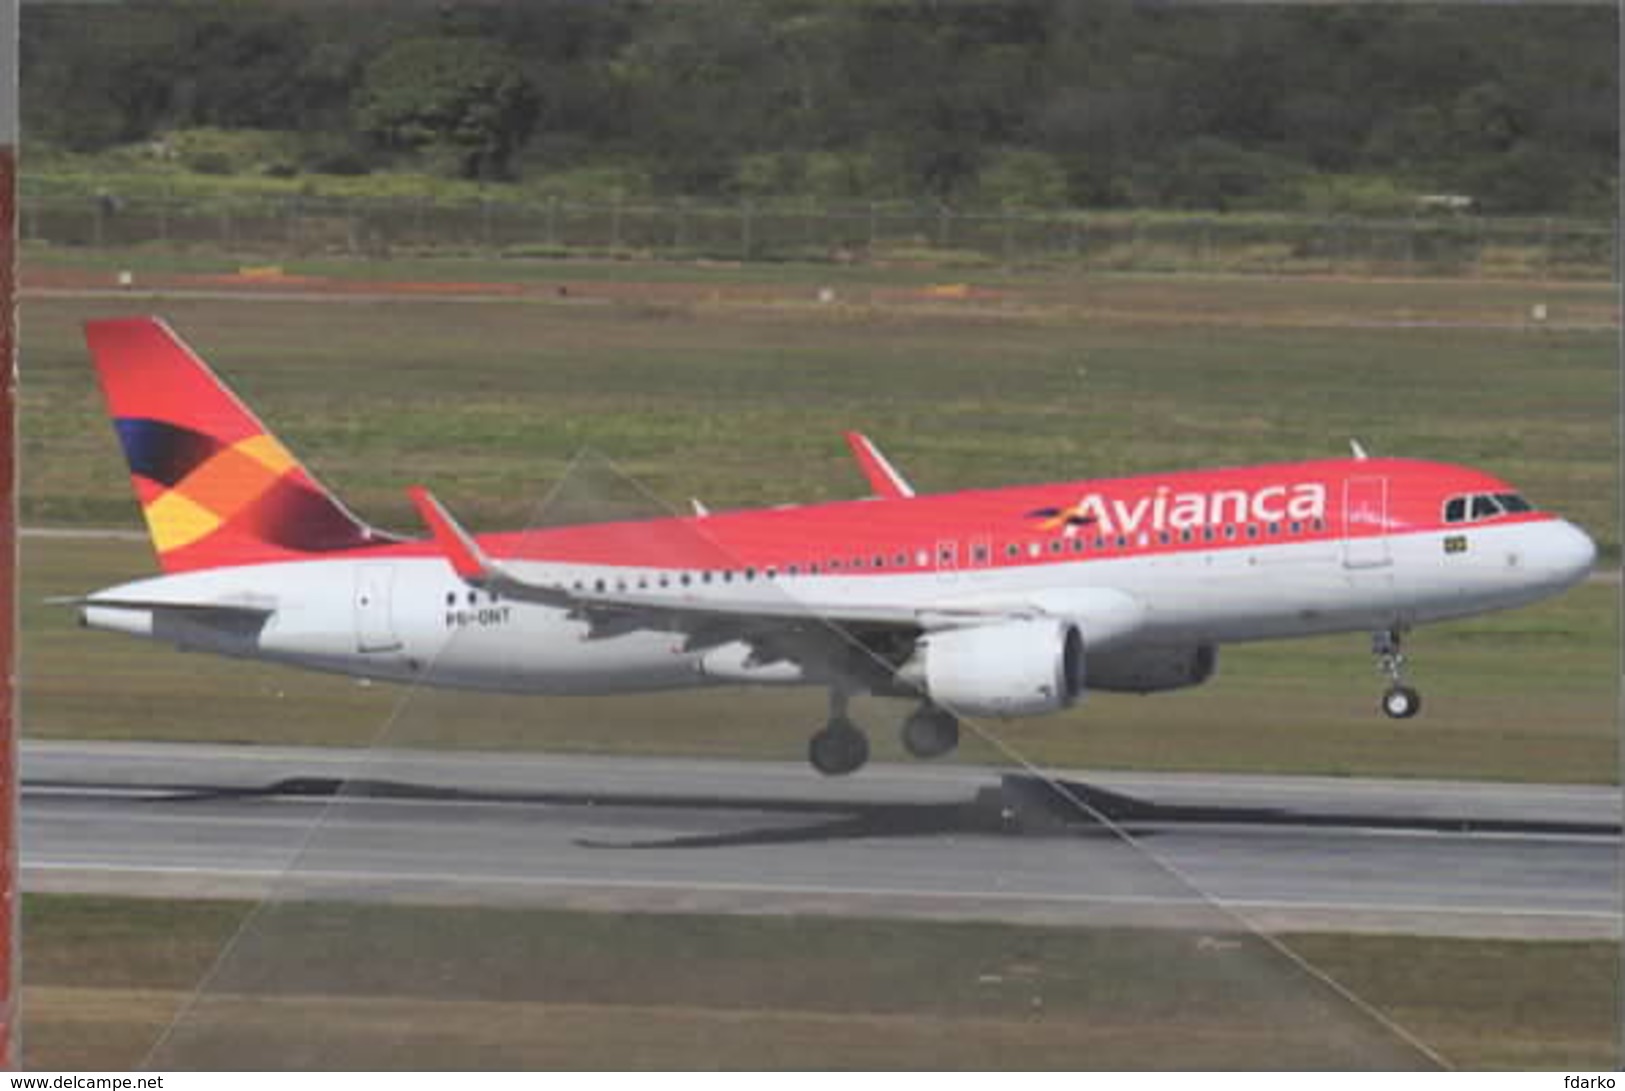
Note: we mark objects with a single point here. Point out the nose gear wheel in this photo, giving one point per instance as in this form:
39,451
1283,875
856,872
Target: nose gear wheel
1399,701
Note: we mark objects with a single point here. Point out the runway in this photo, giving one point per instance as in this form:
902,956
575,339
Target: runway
1207,851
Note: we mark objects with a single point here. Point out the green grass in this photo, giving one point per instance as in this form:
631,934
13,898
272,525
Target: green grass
312,985
741,401
744,405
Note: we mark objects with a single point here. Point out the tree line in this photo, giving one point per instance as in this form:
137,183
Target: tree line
1028,103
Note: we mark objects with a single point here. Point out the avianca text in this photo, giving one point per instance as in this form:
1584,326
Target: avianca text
1169,510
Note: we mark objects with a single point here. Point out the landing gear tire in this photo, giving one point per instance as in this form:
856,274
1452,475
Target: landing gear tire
840,748
1401,703
930,732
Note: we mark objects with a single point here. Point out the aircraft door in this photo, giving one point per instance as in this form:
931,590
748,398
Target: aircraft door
1365,522
947,560
374,624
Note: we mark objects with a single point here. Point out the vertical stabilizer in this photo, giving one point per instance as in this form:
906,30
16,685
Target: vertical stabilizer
215,486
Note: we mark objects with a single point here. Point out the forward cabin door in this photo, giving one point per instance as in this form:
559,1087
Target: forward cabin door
374,624
1365,522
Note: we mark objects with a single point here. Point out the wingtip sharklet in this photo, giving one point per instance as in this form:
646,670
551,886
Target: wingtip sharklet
884,480
461,550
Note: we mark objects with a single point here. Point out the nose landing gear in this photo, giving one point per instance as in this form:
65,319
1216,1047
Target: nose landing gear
1399,702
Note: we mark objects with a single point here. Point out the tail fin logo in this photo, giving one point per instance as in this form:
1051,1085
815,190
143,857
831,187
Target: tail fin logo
214,485
203,485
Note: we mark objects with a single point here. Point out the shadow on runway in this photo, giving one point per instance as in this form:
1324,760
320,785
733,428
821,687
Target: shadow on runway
1020,805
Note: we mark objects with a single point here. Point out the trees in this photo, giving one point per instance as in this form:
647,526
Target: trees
1024,101
462,100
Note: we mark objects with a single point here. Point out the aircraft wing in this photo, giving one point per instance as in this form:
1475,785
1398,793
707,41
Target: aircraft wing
1112,615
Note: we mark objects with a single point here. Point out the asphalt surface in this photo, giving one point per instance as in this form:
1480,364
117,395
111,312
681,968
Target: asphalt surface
1200,851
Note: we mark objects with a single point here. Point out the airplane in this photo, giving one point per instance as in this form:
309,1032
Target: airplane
1007,602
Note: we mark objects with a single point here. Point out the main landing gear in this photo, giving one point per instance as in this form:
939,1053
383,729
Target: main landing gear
840,748
1399,702
930,731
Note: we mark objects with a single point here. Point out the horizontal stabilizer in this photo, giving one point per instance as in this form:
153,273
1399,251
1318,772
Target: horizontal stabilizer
243,610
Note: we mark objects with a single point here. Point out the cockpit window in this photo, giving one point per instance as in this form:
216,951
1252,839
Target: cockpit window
1465,509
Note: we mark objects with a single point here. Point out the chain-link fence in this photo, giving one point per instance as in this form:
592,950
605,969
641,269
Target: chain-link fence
1422,245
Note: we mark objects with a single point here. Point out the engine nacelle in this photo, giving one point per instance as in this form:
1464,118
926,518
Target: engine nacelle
1149,670
1016,668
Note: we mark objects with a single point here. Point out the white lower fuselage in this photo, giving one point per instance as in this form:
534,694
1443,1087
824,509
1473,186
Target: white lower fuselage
413,619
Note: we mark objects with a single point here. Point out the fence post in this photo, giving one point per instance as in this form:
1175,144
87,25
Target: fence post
1546,248
615,221
744,230
98,229
553,220
944,221
678,232
485,221
874,225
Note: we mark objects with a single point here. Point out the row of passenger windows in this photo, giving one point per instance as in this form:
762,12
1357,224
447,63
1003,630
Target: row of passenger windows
1467,509
980,555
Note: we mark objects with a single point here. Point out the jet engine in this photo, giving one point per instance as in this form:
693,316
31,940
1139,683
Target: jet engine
1149,670
1015,668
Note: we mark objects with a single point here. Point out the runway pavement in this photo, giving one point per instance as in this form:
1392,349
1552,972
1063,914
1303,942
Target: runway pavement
1209,851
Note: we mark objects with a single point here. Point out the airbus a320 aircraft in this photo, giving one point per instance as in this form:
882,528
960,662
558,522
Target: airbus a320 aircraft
990,603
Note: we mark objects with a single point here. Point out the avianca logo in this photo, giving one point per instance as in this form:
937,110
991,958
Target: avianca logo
1169,510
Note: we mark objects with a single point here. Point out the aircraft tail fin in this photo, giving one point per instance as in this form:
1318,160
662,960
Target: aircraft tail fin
216,487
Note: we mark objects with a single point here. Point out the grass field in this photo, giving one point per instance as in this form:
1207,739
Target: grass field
389,987
732,384
744,404
735,389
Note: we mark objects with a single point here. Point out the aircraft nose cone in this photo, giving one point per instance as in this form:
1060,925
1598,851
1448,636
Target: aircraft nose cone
1565,553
